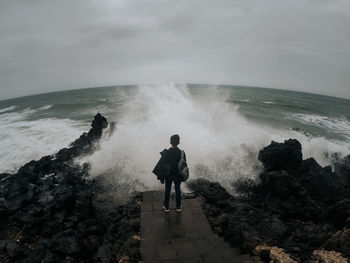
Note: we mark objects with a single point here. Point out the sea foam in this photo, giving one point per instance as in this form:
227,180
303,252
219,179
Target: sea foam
7,109
23,139
337,125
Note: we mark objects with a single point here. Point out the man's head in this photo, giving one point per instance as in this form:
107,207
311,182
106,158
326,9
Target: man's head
175,140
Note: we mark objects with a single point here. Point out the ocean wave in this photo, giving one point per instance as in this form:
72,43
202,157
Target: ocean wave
46,107
245,100
269,102
22,140
340,126
22,114
7,109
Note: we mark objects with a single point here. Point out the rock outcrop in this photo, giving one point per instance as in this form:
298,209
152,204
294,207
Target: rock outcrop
274,254
51,212
324,256
296,205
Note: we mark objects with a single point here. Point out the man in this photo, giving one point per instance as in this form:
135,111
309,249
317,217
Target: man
167,170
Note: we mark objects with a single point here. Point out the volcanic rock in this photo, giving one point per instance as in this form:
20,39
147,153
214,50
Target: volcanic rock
281,156
51,211
295,205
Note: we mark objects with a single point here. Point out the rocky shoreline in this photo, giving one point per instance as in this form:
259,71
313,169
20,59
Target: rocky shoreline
298,212
51,211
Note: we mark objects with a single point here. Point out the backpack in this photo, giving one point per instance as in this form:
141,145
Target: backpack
183,168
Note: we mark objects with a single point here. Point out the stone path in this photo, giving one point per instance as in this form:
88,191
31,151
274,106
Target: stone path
181,236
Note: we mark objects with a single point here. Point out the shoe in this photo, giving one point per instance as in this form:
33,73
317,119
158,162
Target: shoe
166,210
179,209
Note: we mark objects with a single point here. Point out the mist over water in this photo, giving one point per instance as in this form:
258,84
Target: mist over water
220,143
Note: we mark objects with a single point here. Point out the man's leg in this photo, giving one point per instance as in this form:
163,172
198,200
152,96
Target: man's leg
167,192
178,194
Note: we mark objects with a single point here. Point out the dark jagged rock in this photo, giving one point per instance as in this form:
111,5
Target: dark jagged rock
67,242
342,169
296,205
212,191
16,250
84,144
51,212
281,156
4,175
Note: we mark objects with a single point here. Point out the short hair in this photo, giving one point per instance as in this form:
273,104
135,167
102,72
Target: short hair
175,140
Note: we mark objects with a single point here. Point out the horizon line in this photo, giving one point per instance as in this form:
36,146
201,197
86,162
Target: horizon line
198,84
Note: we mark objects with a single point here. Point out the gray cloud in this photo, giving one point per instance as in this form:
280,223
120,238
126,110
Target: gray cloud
48,45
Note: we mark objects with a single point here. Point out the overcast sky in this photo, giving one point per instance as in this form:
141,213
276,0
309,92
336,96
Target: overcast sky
48,45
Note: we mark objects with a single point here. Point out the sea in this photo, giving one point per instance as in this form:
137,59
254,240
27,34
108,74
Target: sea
221,128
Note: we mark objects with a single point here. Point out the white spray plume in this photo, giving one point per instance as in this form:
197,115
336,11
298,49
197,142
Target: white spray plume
220,144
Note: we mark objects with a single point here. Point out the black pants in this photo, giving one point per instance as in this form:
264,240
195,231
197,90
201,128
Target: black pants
168,183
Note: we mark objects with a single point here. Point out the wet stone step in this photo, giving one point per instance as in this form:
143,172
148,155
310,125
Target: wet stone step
181,236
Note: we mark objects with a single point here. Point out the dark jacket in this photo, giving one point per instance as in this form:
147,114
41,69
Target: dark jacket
162,168
167,166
